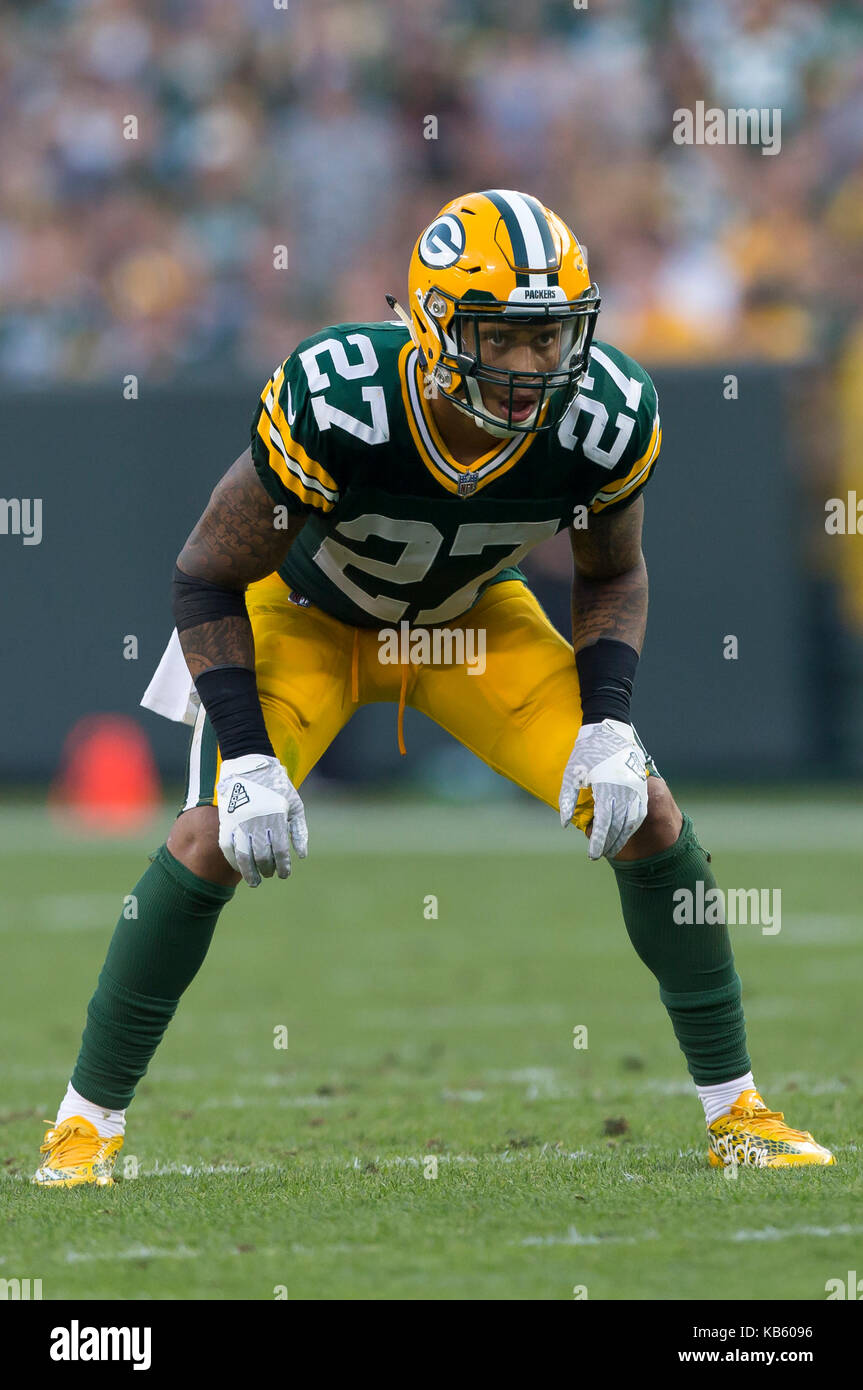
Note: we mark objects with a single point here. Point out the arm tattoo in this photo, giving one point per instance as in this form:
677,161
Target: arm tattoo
609,587
227,642
234,544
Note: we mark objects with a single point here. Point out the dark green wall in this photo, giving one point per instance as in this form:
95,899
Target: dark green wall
122,483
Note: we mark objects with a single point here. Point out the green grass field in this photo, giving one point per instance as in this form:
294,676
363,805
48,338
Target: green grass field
413,1040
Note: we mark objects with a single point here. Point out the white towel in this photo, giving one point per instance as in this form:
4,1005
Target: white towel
172,691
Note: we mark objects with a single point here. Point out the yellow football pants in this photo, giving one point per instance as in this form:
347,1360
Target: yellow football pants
521,715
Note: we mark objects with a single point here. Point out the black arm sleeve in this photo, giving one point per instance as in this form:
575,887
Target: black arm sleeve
606,674
197,601
229,694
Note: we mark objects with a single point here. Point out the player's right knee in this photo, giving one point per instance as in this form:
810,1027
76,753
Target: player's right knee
194,840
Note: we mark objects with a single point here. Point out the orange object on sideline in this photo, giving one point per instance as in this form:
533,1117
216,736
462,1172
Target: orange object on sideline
108,782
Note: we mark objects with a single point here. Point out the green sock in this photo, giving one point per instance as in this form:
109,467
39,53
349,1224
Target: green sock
694,964
151,960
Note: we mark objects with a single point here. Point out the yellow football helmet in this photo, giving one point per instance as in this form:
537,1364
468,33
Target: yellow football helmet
492,254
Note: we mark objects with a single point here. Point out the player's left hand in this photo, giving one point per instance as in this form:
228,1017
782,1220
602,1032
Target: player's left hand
260,815
607,758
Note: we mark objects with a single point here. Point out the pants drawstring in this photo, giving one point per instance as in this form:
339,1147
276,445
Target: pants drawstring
355,689
401,719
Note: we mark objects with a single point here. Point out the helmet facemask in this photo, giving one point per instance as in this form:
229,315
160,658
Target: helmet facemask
504,401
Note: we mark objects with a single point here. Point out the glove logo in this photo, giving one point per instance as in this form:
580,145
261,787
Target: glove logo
239,797
442,243
635,763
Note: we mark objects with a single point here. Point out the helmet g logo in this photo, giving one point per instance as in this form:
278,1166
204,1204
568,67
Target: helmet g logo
442,243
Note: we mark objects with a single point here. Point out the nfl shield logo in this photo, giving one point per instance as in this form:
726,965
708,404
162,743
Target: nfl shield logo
467,484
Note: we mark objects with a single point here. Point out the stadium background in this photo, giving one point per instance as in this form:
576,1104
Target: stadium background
306,128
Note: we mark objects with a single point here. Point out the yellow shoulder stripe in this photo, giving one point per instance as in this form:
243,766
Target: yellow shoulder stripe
295,468
638,473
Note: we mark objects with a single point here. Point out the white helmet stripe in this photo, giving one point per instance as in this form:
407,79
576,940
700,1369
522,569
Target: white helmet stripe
526,218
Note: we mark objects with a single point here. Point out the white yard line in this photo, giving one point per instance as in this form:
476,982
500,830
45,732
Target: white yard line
134,1252
573,1237
769,1233
546,1083
541,1083
203,1170
795,1232
182,1252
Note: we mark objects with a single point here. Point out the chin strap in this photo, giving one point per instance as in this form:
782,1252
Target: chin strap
405,318
497,431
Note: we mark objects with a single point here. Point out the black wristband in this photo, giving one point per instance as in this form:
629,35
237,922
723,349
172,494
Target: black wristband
197,601
229,694
606,673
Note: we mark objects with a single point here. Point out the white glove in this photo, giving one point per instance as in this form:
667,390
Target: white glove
607,759
260,813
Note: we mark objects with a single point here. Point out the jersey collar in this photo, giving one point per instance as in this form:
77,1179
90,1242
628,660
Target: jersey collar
456,477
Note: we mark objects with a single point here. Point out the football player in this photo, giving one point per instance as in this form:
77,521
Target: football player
397,474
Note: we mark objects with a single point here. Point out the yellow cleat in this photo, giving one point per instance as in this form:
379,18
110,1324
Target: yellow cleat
76,1153
757,1137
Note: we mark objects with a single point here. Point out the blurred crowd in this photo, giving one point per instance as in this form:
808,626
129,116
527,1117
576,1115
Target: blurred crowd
304,124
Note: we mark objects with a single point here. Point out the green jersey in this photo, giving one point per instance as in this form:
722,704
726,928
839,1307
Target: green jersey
396,527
